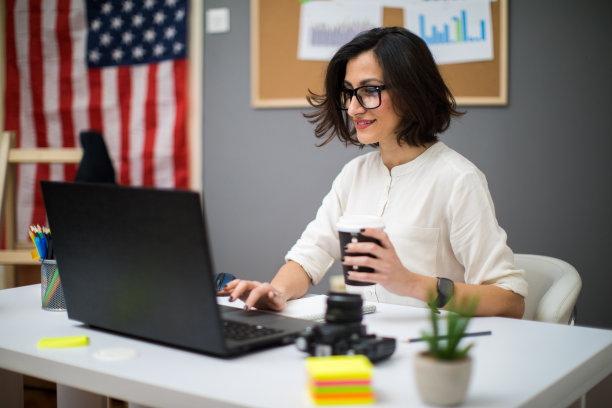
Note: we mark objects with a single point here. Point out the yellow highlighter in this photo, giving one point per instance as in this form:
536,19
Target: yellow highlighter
58,342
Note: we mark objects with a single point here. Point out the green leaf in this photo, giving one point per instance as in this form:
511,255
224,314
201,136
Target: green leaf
457,320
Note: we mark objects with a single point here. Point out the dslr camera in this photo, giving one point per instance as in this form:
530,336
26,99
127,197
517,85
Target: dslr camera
343,332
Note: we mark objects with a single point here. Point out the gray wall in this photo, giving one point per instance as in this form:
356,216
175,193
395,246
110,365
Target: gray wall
545,154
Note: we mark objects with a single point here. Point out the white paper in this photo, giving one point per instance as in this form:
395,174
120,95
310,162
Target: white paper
325,26
456,31
310,307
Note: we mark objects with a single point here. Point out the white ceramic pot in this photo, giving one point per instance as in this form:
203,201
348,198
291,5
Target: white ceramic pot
442,382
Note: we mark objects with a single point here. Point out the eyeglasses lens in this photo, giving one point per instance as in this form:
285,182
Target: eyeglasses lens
368,97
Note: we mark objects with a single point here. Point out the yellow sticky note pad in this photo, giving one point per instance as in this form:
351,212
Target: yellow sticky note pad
340,380
339,367
59,342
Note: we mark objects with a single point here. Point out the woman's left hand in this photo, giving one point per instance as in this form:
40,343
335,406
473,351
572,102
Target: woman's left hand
388,269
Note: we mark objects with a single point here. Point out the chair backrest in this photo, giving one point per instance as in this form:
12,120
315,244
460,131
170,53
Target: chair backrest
554,286
96,165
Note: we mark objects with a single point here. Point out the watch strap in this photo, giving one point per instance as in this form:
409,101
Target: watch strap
446,289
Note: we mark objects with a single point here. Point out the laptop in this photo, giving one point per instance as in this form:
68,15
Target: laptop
137,262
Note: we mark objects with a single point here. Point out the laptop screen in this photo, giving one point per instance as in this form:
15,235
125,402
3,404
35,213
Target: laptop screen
137,261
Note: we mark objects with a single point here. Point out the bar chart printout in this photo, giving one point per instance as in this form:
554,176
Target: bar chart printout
458,27
455,31
327,25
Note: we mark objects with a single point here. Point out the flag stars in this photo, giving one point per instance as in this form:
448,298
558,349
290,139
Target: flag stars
127,37
149,35
158,50
138,52
136,31
116,23
106,39
107,8
117,54
94,56
96,24
137,20
159,18
170,33
177,47
127,6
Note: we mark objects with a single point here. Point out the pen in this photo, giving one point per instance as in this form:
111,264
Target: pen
52,288
43,247
474,334
32,236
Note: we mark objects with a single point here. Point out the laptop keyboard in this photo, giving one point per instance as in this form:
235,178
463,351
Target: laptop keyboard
244,331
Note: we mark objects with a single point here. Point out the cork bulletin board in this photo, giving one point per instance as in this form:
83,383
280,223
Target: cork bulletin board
279,79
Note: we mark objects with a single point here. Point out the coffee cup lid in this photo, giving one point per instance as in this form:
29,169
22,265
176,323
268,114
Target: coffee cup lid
355,222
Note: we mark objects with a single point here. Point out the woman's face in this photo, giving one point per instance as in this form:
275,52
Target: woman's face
377,125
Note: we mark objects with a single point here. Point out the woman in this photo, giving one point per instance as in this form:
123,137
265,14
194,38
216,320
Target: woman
441,236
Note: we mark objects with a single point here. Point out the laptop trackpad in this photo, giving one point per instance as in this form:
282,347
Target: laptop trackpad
251,317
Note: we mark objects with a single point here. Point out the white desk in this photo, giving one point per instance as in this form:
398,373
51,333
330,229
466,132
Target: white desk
522,363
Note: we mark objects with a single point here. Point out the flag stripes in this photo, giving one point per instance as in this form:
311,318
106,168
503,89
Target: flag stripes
53,91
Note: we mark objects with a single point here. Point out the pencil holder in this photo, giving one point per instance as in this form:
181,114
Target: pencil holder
51,292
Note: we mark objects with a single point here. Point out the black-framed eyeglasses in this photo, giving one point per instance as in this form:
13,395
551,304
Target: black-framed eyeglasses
368,96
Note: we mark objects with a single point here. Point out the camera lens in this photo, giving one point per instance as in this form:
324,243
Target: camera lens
343,308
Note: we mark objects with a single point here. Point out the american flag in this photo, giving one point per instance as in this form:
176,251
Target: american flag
114,66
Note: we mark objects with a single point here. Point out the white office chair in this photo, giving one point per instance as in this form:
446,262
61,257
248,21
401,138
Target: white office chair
554,286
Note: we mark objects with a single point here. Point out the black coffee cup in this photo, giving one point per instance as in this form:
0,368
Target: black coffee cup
349,230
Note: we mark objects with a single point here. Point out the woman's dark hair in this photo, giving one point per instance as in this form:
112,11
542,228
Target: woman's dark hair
419,95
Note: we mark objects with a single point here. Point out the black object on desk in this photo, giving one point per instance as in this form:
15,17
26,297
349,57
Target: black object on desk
343,332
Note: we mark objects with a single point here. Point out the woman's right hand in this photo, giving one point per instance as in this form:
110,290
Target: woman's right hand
261,295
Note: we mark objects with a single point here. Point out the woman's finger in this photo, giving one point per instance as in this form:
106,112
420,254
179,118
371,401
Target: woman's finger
377,264
256,294
242,290
364,247
265,296
226,290
380,235
364,277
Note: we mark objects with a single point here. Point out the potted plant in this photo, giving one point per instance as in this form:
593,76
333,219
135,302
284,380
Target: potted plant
442,372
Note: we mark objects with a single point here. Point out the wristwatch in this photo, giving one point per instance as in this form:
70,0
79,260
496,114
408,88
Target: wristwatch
446,289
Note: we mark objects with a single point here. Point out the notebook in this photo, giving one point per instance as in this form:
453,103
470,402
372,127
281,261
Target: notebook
137,262
310,307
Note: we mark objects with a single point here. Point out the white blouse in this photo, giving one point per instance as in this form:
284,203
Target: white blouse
438,213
